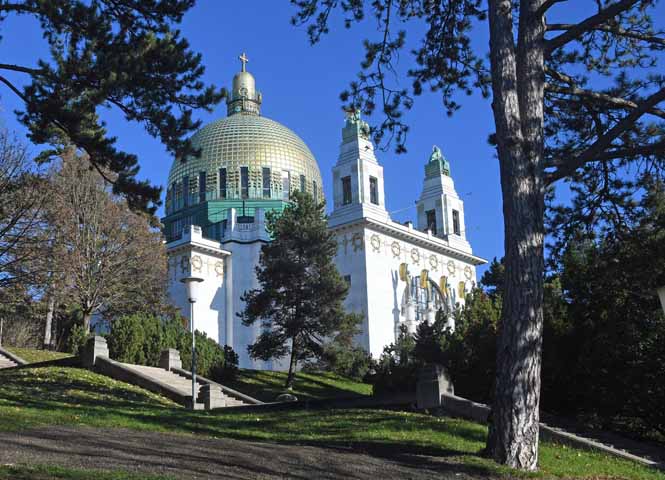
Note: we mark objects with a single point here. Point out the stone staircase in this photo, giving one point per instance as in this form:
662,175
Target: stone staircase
183,385
168,380
6,362
9,360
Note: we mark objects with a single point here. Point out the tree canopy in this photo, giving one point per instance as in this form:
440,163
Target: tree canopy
124,54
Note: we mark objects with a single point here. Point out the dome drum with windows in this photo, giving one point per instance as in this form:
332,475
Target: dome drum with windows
245,160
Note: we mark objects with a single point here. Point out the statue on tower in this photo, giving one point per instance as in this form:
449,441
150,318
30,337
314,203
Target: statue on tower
353,119
437,158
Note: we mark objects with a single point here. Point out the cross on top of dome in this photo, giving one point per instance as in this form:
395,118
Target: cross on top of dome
243,58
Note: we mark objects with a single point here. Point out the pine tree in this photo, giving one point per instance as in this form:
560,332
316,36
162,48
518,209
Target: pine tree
123,54
299,302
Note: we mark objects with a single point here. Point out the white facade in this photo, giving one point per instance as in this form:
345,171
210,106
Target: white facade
380,258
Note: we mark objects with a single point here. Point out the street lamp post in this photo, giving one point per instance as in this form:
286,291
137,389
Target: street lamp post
192,285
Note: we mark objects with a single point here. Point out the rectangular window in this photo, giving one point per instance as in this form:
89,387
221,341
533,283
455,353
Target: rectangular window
286,184
185,191
315,190
266,182
222,183
431,220
174,197
244,182
346,190
202,187
373,190
302,183
456,226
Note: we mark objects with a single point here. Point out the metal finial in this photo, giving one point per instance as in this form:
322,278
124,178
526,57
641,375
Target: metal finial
243,58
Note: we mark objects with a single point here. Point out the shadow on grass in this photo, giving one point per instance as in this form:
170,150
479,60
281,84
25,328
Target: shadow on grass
334,434
267,385
384,435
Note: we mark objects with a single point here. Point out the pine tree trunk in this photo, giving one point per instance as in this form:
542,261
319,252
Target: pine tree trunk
292,366
518,82
48,328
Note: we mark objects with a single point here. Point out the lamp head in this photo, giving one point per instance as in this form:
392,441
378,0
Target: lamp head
192,285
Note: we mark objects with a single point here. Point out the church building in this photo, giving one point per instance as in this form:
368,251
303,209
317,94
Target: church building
215,226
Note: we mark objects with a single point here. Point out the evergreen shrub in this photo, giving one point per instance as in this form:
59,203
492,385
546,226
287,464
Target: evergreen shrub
140,338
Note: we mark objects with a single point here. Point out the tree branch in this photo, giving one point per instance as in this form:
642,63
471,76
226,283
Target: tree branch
615,101
642,150
604,142
19,68
13,88
546,6
587,25
610,29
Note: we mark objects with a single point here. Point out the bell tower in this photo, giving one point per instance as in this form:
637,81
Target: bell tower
440,210
357,176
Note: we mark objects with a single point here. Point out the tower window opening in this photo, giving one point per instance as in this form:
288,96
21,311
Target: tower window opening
286,184
373,190
315,190
202,187
244,182
185,191
302,183
456,226
346,190
222,182
266,182
431,220
174,197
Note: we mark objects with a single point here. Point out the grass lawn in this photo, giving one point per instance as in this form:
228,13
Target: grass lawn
32,355
68,396
266,386
44,472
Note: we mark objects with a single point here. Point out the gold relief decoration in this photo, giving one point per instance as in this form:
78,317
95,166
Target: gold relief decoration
357,241
415,255
376,243
197,263
443,284
468,273
395,248
184,264
403,272
451,267
219,268
424,279
461,289
433,262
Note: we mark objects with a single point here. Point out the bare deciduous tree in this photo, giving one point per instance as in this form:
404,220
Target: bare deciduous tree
108,258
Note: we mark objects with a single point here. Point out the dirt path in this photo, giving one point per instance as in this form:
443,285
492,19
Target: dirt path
187,456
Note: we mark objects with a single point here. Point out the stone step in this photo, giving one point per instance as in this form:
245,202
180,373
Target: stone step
6,362
179,383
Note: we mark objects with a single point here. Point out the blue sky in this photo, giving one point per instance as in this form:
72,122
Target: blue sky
301,85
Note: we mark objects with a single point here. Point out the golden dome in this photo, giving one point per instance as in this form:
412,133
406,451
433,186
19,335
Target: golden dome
247,140
243,156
